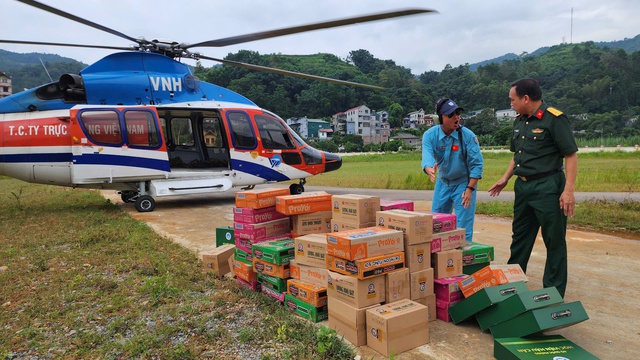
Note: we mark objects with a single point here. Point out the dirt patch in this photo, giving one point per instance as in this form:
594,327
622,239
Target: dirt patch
603,272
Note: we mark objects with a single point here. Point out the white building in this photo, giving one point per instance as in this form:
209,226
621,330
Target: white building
371,126
506,114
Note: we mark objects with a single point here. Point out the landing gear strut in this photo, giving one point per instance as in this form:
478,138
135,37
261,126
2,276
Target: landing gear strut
296,189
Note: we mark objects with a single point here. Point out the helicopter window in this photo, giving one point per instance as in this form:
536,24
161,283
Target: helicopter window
182,132
141,129
102,126
212,132
273,133
241,130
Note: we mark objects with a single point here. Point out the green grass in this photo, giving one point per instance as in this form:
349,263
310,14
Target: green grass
613,171
83,280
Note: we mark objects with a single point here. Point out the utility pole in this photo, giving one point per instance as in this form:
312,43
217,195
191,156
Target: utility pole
571,37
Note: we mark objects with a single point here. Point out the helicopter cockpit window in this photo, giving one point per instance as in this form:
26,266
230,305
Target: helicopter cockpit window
273,133
102,126
182,132
241,129
141,128
212,132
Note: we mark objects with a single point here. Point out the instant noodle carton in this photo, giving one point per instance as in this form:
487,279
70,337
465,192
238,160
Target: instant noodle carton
309,293
386,204
368,267
447,240
363,243
304,203
245,271
417,257
421,283
343,225
491,275
348,321
255,216
267,268
447,263
355,292
247,245
259,198
262,230
311,250
217,260
275,252
397,327
318,222
310,274
416,227
398,286
306,310
355,208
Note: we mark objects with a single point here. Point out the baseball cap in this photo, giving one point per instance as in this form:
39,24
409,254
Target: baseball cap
449,107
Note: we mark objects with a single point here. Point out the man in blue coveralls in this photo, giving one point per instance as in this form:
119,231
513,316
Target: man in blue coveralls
453,151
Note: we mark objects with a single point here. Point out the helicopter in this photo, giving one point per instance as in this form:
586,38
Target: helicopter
139,122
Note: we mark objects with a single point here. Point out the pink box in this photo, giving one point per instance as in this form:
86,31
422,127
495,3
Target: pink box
442,222
447,289
254,285
247,245
442,309
255,216
396,204
448,240
262,230
278,296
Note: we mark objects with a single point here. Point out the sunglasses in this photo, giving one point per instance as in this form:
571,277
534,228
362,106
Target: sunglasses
457,112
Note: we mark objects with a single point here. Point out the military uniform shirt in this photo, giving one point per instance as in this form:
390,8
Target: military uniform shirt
541,141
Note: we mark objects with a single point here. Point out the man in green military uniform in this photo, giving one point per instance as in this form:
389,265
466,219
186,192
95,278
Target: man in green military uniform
542,141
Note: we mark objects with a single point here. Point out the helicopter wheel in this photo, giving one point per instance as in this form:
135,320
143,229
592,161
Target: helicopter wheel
145,203
296,189
127,196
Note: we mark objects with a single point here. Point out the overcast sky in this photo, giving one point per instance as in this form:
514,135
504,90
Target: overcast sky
465,31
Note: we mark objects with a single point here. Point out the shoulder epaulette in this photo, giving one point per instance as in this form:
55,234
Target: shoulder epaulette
554,111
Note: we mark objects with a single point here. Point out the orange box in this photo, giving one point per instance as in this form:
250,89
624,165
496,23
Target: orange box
245,271
309,293
304,203
364,243
259,198
367,268
267,268
355,208
491,275
417,227
309,274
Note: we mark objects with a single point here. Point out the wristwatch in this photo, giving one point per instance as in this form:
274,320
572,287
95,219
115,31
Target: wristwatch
471,188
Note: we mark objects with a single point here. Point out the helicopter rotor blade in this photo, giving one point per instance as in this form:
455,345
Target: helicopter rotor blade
64,44
309,27
291,73
53,10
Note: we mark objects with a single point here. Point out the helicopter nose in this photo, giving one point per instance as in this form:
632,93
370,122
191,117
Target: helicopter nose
333,161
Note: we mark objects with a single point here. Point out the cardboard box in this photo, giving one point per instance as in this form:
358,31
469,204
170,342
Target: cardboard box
247,245
305,203
485,298
262,230
444,222
533,321
244,271
386,204
217,260
490,276
397,285
539,348
256,216
516,305
447,263
364,243
355,208
417,257
275,252
430,302
355,292
309,293
348,321
421,283
476,253
447,289
232,267
366,268
224,235
241,255
313,223
311,250
397,327
251,285
310,274
275,283
416,227
448,240
470,269
275,294
442,309
267,268
342,225
259,198
305,310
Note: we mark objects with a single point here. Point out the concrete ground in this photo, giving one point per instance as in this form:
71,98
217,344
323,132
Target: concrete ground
603,275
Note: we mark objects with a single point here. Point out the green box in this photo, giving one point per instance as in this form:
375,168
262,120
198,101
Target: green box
306,310
539,348
275,252
275,283
470,269
241,255
224,235
516,305
476,253
533,321
483,299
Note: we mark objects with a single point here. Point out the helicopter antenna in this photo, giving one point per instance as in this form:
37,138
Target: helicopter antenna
45,69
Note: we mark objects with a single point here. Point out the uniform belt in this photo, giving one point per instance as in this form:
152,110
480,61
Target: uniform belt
538,176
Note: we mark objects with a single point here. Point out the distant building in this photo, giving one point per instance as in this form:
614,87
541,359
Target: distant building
308,128
506,114
325,134
412,141
5,85
371,126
